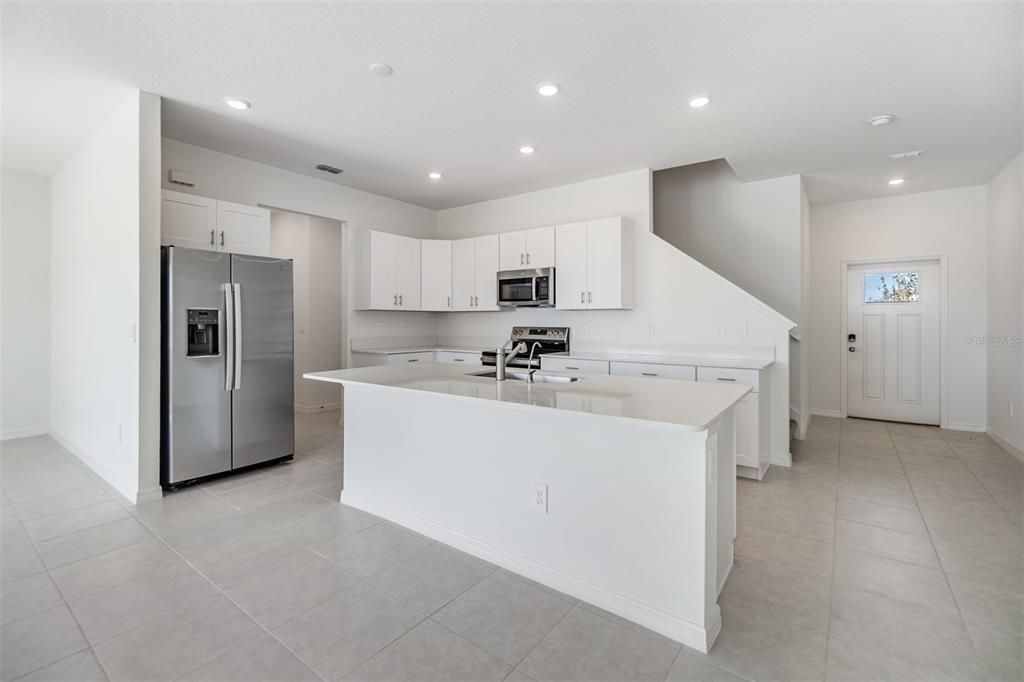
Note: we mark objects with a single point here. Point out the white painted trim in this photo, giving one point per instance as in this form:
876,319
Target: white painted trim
819,412
309,409
690,634
24,433
964,426
149,495
783,459
844,268
128,492
1005,444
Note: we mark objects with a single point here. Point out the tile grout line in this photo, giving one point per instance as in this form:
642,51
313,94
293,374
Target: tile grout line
67,607
945,576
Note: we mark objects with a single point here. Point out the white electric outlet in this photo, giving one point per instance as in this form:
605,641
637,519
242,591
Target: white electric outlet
380,325
650,329
539,497
741,330
720,329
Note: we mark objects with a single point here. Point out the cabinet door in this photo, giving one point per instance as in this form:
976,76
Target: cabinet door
571,266
187,220
407,272
383,292
436,275
604,263
243,229
540,247
746,416
512,248
463,274
486,273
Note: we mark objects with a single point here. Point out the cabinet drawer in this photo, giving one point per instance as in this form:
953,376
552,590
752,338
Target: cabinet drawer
647,369
574,365
739,376
403,358
468,359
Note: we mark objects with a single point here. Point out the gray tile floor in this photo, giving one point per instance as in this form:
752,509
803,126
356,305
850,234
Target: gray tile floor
886,552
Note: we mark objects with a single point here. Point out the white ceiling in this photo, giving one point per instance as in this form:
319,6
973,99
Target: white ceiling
792,85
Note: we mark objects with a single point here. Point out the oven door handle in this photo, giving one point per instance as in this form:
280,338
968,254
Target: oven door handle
535,291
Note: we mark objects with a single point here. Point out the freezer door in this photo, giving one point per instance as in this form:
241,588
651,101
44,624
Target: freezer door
263,413
195,408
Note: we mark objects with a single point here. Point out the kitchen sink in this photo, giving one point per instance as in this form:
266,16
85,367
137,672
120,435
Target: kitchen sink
524,376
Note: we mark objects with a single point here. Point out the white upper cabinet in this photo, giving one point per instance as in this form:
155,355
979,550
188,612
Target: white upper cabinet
512,249
436,274
533,248
540,247
474,273
593,269
199,222
188,220
486,272
387,271
243,229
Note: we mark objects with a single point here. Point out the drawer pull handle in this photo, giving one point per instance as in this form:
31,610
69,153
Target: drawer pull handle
571,367
725,379
457,360
649,374
414,360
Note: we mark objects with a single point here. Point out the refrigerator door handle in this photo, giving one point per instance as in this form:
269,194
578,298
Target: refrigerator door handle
229,330
236,351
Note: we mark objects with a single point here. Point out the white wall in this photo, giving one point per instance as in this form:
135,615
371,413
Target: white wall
314,244
947,222
235,179
748,232
24,305
1006,305
97,279
678,300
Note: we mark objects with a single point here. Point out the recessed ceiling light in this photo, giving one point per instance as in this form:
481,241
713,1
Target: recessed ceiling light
883,120
699,101
434,175
896,181
236,103
526,149
381,69
547,89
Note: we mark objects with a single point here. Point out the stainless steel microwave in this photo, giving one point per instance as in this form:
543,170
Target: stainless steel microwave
531,287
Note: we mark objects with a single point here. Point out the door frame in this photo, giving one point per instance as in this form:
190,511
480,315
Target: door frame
844,268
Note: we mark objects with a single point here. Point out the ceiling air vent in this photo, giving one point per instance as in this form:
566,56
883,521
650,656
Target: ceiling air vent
329,169
906,155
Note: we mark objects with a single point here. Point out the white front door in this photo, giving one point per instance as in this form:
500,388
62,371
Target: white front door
892,341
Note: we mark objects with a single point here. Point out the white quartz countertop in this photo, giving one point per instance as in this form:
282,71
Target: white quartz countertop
421,349
733,362
687,405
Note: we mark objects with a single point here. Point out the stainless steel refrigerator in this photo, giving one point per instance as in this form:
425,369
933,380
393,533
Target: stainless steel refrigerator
227,363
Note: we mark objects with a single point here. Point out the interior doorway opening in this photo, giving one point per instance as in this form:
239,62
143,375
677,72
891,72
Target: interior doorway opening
314,244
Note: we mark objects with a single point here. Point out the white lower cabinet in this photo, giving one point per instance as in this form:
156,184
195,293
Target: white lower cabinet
645,369
573,365
407,358
454,357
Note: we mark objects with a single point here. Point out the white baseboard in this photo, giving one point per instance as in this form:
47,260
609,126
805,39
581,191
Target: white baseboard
690,634
131,493
782,459
13,434
965,426
309,409
1005,444
818,412
149,494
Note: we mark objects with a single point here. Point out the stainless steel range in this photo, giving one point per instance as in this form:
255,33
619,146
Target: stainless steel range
538,340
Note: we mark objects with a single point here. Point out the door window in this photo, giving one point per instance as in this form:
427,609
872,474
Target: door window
891,287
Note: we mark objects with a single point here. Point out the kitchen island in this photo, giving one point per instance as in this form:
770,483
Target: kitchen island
617,490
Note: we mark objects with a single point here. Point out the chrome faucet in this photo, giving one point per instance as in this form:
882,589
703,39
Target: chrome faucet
530,363
500,358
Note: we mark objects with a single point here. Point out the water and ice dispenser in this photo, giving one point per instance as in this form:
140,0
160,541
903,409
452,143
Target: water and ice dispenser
203,332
